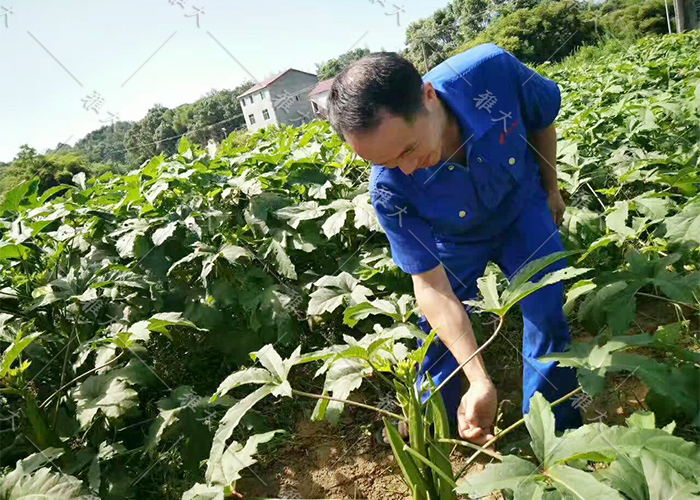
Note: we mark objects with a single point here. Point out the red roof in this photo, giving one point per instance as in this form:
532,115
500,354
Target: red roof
269,81
322,86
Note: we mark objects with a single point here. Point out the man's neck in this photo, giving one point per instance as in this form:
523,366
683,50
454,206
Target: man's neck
454,151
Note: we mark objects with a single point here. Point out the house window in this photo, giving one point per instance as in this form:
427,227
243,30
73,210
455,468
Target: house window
262,95
266,115
251,99
251,117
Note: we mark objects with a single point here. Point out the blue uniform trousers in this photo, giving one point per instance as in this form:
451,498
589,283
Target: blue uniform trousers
532,235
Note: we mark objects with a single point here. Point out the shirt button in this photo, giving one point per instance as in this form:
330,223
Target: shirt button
511,161
462,214
451,167
479,159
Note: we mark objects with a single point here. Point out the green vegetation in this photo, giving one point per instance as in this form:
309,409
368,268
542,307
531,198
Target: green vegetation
129,304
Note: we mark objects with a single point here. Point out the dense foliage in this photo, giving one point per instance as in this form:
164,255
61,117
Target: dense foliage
534,30
273,242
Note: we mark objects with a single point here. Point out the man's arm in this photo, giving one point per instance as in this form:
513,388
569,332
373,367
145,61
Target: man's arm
446,313
544,143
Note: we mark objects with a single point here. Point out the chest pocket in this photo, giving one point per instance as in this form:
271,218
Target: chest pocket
448,200
498,162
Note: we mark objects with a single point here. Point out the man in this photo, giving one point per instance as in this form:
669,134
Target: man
463,173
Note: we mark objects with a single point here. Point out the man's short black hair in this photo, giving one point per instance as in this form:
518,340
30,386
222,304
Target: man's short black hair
379,81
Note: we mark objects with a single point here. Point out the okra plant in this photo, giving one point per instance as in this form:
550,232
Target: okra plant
424,459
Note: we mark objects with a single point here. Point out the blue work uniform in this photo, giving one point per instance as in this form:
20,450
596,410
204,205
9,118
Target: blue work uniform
494,208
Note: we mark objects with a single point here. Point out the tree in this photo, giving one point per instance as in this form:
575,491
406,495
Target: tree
332,67
217,114
549,31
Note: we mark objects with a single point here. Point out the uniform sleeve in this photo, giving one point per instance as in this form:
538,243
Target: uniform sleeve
410,237
540,97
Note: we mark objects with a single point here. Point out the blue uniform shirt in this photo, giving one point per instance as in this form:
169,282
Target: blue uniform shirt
438,214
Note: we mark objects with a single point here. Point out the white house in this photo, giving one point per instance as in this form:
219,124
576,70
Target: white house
283,98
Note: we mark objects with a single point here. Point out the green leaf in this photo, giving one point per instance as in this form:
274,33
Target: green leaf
664,482
617,220
626,476
488,287
336,221
333,291
203,492
105,393
163,233
272,361
283,263
45,484
13,351
237,457
214,473
642,420
294,214
363,310
14,197
581,485
364,213
540,423
684,227
233,252
616,442
512,295
410,471
161,321
343,377
13,251
242,377
512,473
577,289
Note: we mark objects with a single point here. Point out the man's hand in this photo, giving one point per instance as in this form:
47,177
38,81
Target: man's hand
477,412
556,206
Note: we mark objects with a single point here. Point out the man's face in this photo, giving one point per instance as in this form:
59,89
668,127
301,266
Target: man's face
398,143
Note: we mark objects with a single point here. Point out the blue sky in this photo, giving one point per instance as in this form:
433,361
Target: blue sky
136,53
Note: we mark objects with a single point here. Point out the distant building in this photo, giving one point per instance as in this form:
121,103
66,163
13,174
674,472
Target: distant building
319,98
283,98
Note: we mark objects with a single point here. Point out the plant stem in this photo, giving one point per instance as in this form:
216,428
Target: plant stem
505,431
470,445
473,355
46,401
361,405
430,464
380,374
692,306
